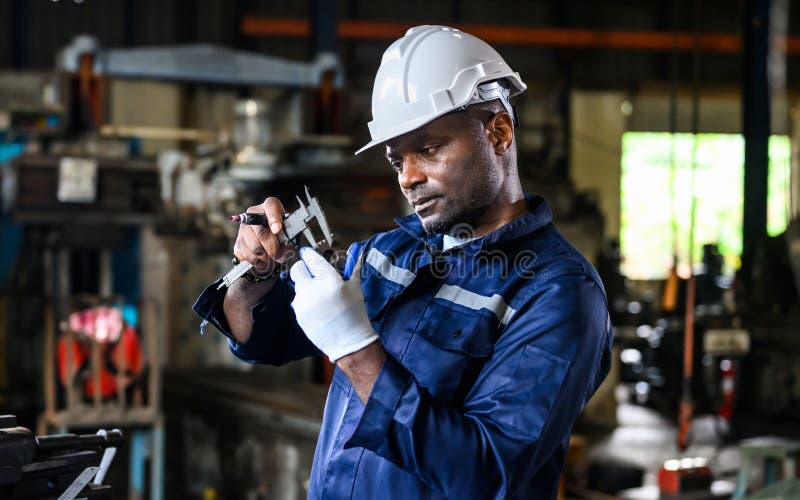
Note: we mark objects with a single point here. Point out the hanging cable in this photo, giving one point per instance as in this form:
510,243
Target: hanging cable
669,297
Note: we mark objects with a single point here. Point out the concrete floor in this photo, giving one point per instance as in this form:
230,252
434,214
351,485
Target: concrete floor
645,439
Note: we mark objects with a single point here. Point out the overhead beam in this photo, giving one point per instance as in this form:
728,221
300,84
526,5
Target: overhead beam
576,38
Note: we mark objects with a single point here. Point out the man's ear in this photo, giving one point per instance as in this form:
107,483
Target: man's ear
501,132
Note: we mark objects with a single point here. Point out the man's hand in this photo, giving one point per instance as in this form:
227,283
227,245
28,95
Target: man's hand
363,367
330,310
259,246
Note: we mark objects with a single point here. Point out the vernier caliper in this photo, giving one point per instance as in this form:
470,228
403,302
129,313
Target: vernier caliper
294,224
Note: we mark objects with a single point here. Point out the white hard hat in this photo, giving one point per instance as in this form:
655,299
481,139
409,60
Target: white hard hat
431,71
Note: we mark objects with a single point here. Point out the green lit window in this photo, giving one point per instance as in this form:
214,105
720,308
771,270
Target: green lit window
655,205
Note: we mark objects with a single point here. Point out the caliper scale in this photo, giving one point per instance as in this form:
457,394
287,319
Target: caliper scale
295,225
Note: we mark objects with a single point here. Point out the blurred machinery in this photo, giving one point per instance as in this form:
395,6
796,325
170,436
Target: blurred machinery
67,465
117,363
146,233
238,435
651,343
684,476
744,373
252,136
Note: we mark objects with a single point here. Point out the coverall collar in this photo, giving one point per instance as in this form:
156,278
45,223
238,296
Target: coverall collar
539,214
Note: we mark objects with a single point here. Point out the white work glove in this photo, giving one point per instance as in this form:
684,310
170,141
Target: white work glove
330,310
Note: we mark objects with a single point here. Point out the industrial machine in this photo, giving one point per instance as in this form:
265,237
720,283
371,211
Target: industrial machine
66,466
154,229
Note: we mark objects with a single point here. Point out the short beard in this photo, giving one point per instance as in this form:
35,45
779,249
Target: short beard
444,223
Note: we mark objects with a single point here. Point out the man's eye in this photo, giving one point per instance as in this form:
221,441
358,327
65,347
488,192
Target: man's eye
397,165
429,150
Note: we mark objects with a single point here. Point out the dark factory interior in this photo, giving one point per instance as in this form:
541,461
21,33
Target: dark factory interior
631,169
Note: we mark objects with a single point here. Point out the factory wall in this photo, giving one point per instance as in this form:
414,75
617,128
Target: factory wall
596,135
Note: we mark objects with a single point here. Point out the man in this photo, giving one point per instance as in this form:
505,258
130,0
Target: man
467,341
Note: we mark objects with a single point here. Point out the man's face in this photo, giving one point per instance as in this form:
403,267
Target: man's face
447,169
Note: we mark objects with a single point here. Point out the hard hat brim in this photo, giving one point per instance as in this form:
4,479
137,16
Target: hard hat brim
369,145
405,128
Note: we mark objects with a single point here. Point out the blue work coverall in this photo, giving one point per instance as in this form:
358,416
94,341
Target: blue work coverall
494,347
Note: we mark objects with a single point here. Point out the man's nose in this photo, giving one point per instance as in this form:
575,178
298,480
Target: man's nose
411,175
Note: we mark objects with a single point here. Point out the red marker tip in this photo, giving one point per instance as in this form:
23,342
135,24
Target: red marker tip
235,218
